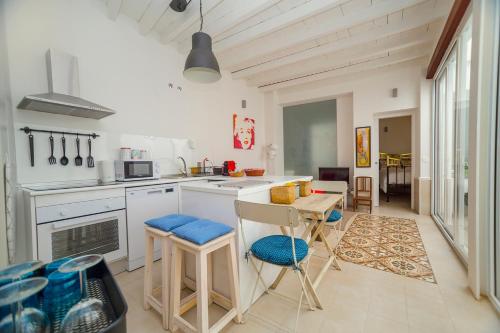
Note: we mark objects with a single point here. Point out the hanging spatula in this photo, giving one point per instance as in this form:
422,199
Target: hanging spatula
90,159
78,158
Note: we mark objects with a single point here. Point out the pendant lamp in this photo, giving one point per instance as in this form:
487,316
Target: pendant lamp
201,64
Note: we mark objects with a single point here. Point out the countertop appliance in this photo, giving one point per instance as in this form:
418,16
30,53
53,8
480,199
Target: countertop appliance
136,170
82,223
144,203
64,90
106,171
227,167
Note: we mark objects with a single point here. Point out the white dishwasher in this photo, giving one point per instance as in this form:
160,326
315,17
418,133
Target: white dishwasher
144,203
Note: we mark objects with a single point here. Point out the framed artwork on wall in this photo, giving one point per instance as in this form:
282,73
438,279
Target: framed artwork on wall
363,147
243,132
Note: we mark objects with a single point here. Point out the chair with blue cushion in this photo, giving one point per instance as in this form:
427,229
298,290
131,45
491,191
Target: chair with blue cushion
285,251
336,216
201,238
160,229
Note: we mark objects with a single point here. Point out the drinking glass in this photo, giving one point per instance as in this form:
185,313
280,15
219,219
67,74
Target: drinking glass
18,271
88,312
23,320
15,273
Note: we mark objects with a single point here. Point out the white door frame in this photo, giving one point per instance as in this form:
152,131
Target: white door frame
412,112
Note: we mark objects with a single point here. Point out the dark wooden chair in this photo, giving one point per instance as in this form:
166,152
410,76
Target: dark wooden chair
363,192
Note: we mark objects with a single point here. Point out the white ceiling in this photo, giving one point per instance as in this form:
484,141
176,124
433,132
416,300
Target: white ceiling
280,43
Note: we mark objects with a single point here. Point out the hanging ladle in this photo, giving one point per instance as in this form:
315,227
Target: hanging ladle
64,160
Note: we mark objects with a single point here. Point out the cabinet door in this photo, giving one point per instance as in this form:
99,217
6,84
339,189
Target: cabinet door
143,204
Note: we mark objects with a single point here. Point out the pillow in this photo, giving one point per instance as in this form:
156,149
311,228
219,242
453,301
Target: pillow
202,231
170,222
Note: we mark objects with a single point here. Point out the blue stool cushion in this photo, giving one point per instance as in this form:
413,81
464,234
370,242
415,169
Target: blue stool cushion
334,216
202,231
277,249
170,222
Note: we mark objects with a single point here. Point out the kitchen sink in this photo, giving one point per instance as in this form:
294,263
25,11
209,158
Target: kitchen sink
181,176
174,176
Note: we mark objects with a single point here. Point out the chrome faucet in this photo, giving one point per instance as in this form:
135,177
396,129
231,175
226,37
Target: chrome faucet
185,171
204,165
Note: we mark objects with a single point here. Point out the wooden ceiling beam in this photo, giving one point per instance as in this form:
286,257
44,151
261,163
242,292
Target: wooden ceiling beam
287,18
191,17
357,54
399,57
224,18
156,9
306,31
433,22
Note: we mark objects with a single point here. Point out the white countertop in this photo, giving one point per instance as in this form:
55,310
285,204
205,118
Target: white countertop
220,188
191,183
83,188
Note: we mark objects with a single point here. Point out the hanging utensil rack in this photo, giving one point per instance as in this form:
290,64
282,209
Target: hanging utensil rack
27,130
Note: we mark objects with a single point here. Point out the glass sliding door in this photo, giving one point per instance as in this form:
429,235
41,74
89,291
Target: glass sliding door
445,145
496,229
462,137
496,242
451,149
439,207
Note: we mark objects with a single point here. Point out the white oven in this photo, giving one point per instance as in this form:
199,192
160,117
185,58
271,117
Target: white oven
90,226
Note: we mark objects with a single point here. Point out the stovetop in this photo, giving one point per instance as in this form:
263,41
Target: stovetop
66,185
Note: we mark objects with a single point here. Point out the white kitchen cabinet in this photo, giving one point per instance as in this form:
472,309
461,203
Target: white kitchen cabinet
145,203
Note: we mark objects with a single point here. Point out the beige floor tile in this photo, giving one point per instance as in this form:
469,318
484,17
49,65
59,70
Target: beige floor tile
356,299
377,324
335,326
389,306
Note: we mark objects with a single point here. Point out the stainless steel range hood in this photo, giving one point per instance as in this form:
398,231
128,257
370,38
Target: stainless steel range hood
64,90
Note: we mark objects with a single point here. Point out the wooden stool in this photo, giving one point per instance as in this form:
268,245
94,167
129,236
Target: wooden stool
149,299
204,292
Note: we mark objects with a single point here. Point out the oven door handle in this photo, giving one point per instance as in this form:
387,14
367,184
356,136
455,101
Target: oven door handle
64,224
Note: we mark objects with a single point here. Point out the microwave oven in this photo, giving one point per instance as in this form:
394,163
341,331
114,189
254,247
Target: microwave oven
136,170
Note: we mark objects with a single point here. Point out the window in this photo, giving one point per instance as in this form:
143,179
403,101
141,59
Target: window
451,117
496,241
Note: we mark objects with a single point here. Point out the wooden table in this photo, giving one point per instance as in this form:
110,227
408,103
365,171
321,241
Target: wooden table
315,210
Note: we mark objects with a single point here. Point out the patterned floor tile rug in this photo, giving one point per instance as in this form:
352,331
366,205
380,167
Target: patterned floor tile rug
391,244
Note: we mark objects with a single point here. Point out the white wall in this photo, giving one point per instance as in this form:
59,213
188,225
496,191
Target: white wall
6,148
345,135
371,99
397,139
123,70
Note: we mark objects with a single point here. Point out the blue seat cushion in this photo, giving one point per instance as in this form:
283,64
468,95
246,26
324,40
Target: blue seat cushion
334,216
277,249
170,222
202,231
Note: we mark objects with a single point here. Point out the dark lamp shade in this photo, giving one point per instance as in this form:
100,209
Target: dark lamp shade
201,64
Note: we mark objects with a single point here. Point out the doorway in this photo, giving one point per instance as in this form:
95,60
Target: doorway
395,160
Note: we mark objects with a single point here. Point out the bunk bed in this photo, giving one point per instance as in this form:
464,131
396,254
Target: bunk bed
394,173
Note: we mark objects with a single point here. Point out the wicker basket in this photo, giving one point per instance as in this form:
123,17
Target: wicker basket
240,173
305,188
254,172
283,194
